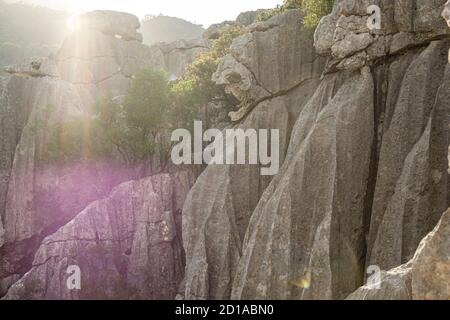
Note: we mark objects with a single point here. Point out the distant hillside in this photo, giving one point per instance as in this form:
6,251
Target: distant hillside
29,30
168,29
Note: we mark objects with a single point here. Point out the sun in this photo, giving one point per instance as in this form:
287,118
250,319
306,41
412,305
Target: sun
76,9
73,23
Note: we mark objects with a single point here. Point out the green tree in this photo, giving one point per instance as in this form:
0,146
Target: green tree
195,89
131,129
135,128
146,104
313,10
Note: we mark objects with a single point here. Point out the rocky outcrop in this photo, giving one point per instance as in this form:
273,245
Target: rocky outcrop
308,224
248,17
34,67
412,190
364,152
392,285
352,41
38,195
102,56
127,246
262,63
113,23
425,277
179,54
220,205
364,178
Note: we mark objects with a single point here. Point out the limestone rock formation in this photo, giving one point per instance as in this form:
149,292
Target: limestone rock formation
308,223
425,277
392,285
103,54
112,23
179,54
364,151
262,63
248,17
34,67
127,245
364,178
347,35
38,196
26,113
220,205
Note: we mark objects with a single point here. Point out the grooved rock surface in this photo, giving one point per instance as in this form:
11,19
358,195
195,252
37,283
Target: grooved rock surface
421,188
425,277
363,147
364,179
412,186
127,245
308,224
219,206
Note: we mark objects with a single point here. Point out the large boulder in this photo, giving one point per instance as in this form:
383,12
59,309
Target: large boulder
99,63
113,23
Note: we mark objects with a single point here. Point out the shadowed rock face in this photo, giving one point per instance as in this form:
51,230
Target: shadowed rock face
426,276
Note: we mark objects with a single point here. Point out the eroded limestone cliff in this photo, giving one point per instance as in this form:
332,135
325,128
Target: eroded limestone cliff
365,175
364,118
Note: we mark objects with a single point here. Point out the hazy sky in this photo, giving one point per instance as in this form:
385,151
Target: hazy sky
204,12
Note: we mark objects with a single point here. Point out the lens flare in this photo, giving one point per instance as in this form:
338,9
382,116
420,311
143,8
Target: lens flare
73,24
